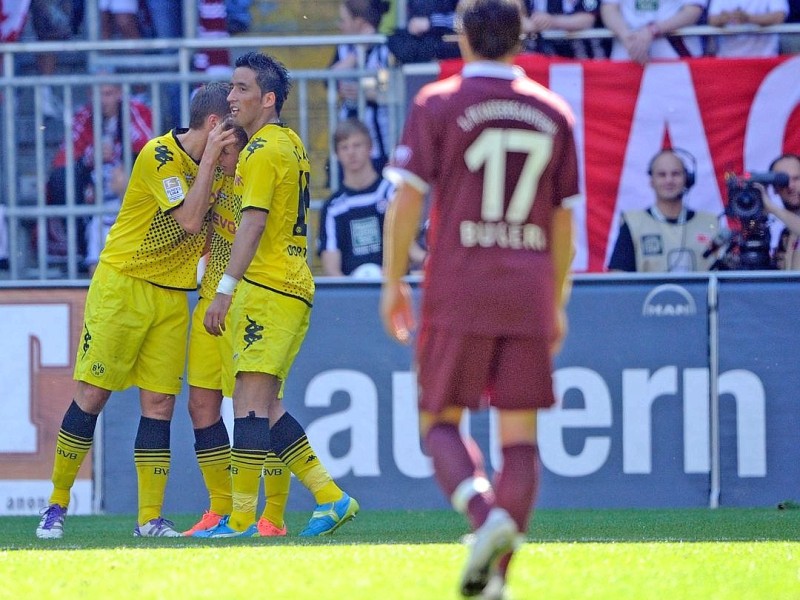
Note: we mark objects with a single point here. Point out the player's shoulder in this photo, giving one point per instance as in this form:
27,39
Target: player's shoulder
161,150
272,141
439,91
547,99
164,140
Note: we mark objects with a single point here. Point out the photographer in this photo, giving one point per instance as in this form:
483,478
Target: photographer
786,253
666,237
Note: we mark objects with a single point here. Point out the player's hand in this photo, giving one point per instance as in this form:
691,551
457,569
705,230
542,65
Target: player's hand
218,138
214,320
397,311
560,331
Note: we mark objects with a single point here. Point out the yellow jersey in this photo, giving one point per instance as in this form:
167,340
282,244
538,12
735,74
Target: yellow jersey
224,220
146,242
273,175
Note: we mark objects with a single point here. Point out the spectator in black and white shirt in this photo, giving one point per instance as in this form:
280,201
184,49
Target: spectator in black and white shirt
351,223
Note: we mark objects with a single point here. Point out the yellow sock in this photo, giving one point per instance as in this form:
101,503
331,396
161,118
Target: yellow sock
215,465
277,479
70,452
152,469
246,468
305,465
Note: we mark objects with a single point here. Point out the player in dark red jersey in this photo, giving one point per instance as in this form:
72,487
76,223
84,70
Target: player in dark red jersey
497,151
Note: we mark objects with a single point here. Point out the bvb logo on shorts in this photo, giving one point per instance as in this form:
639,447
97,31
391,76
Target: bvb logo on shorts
98,369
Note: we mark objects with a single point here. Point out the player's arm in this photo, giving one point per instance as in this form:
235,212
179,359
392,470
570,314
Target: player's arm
245,244
399,231
331,263
192,211
562,251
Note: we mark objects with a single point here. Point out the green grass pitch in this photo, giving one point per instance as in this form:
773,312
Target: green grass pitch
611,554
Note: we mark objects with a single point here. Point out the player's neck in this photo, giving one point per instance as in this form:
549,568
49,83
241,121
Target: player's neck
362,179
193,142
261,123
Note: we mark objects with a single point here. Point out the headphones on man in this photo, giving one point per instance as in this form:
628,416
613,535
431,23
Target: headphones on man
687,159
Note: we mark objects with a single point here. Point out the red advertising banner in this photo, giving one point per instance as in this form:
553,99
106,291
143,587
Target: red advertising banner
41,328
731,115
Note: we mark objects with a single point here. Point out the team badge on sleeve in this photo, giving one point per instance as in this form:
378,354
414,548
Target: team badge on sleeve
174,189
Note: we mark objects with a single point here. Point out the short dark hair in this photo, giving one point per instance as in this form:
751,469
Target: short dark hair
347,128
370,10
210,99
492,27
782,157
238,132
271,75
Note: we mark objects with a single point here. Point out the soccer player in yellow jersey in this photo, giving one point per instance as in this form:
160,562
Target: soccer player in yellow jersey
210,363
271,309
137,314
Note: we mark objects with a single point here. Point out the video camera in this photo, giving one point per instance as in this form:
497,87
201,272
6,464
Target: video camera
749,247
744,199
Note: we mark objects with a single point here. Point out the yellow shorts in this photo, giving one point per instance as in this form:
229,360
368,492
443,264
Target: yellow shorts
268,330
134,333
210,363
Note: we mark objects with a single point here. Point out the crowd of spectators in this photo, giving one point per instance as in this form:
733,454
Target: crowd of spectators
641,31
54,20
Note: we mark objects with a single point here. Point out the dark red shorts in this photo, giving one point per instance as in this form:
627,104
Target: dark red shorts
474,371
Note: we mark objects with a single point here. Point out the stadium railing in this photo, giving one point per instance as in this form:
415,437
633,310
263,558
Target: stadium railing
145,67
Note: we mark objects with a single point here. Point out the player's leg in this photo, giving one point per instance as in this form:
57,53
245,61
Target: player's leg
212,447
72,445
517,482
248,453
152,456
518,395
277,480
158,372
334,506
453,371
213,451
286,326
250,445
96,377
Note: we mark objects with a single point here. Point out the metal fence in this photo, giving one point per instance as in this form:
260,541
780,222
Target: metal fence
142,70
151,68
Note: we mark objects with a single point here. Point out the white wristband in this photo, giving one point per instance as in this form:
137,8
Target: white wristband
227,285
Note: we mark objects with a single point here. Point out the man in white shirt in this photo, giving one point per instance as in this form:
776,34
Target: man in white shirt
640,27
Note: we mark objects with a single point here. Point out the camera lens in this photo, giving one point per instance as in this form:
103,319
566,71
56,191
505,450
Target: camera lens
746,202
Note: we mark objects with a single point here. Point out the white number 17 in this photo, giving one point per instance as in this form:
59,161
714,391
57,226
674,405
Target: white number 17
489,151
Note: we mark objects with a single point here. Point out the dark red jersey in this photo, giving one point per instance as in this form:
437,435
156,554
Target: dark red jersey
498,153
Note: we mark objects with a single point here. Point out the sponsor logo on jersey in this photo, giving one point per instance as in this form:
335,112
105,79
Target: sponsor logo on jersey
254,145
174,189
163,156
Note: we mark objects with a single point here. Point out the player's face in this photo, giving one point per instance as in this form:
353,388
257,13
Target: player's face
353,152
791,193
668,177
228,158
246,102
